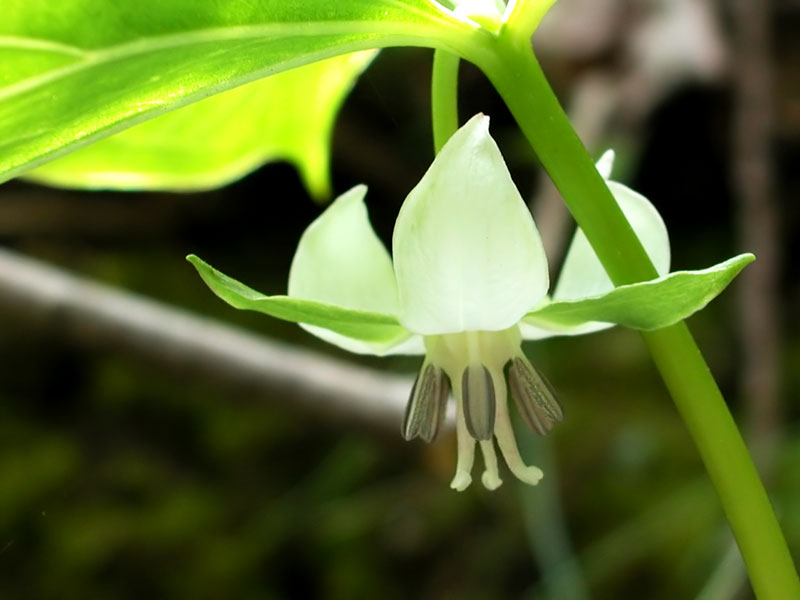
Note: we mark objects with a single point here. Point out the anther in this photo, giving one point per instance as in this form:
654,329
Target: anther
478,399
534,396
426,405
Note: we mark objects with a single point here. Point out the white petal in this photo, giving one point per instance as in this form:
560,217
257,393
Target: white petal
583,276
412,345
339,260
530,331
606,164
467,254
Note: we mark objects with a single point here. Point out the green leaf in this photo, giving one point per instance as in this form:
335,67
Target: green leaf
467,254
380,331
77,70
220,139
648,305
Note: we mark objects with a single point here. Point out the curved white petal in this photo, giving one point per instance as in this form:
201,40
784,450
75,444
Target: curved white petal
339,260
467,254
529,331
583,276
605,164
411,345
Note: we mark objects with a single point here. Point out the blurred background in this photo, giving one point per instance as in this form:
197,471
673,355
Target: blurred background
127,471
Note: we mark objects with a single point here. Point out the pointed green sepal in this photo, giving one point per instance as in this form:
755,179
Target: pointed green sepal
647,305
381,332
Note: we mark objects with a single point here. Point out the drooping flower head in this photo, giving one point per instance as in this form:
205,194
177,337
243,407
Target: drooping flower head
467,283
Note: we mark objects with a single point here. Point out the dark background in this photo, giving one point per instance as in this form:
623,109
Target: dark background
120,479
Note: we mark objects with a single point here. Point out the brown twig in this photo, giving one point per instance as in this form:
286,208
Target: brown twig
97,315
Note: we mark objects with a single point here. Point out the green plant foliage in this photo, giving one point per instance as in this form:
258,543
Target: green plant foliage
648,305
215,141
73,73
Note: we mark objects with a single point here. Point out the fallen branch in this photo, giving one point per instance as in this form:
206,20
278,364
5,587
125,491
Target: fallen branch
96,315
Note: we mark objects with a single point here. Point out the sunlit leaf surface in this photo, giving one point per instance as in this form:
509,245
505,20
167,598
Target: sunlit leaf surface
208,144
78,70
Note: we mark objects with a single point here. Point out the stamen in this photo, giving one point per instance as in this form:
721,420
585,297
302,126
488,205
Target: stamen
508,444
426,405
478,398
534,396
491,475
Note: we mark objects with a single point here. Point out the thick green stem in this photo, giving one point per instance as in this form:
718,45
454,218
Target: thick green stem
727,461
516,75
444,97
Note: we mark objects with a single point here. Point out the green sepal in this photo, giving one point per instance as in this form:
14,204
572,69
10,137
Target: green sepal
371,327
647,305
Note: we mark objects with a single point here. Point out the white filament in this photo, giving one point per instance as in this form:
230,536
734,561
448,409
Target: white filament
466,445
508,443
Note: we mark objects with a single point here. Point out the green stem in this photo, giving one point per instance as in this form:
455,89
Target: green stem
444,97
727,461
512,68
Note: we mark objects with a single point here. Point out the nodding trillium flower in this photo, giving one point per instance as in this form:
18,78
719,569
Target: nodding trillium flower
468,282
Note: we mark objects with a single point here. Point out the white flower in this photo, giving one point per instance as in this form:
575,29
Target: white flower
468,267
468,282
